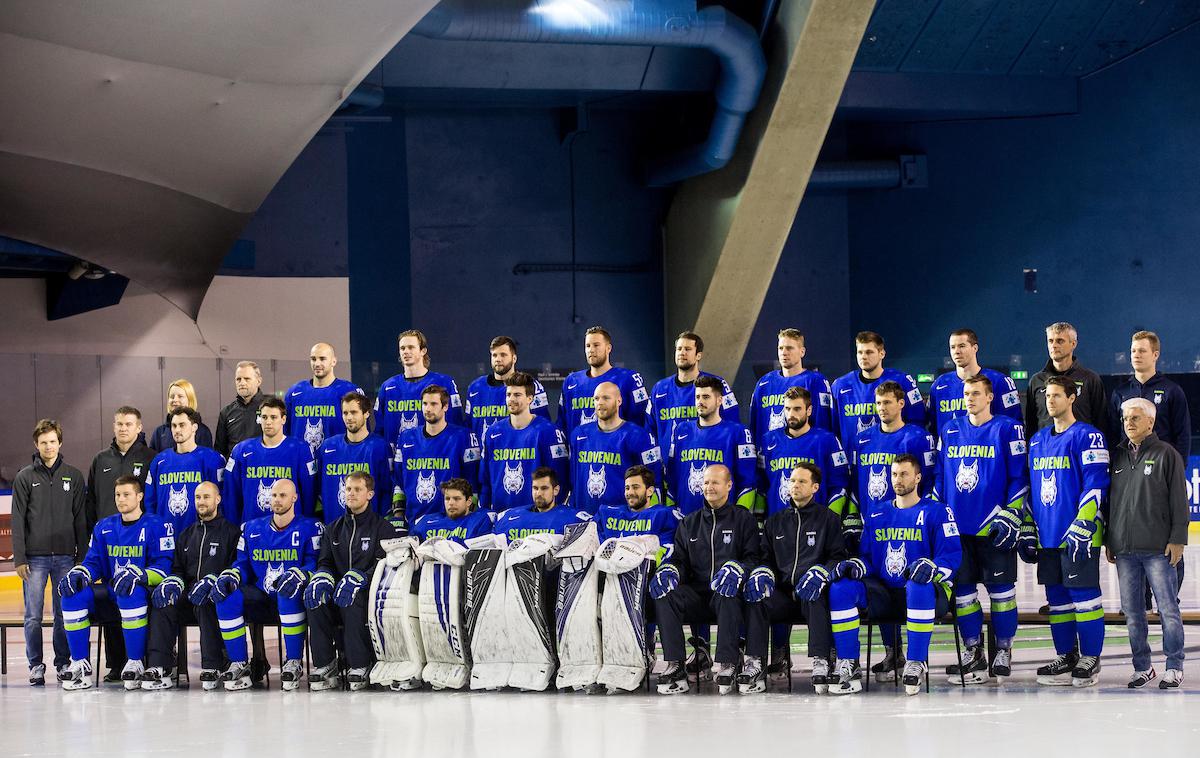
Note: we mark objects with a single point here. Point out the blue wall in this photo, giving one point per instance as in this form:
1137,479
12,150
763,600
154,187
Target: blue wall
1103,203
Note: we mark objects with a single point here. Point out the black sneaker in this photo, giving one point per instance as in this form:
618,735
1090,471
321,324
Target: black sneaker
1057,673
259,669
1171,680
699,662
673,680
890,667
1140,679
113,676
37,675
781,663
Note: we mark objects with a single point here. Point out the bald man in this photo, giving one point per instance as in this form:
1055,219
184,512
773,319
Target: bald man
202,551
314,406
601,452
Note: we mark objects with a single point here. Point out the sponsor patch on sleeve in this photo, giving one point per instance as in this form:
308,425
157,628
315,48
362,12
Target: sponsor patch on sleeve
747,451
914,395
166,543
1095,456
928,457
558,451
1017,447
539,401
839,458
950,529
470,455
455,401
728,400
229,464
826,399
640,395
1010,399
651,456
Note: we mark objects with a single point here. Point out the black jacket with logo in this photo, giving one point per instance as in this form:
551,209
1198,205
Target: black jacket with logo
205,547
1148,499
706,539
49,516
799,538
352,542
107,466
238,421
1090,405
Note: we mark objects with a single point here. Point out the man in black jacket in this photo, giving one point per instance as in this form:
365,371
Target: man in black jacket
239,420
338,591
715,549
804,543
202,552
1090,404
49,536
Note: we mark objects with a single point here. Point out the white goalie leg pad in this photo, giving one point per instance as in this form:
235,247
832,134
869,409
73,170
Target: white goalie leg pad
483,611
528,625
625,649
442,630
577,608
393,621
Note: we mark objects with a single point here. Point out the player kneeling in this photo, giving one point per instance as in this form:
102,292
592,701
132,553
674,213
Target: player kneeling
909,554
715,548
130,552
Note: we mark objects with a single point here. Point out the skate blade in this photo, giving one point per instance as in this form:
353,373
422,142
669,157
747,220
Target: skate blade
1055,681
821,689
1084,681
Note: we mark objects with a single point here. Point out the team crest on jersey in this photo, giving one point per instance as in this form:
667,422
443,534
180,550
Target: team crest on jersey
1049,488
514,479
861,425
427,488
342,493
364,545
314,435
408,422
812,539
895,562
177,501
596,482
776,420
877,483
272,576
785,489
212,549
696,479
137,469
727,538
263,500
967,477
587,418
66,485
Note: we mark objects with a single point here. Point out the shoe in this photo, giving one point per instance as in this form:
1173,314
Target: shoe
820,675
79,675
751,679
156,678
259,669
914,676
1171,680
290,675
1057,673
210,679
725,675
849,678
673,680
37,675
1002,664
237,677
1086,671
973,665
890,667
325,678
358,678
781,663
1140,679
60,672
112,676
131,675
699,662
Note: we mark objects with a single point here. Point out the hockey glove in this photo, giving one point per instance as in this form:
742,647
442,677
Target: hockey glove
665,580
922,571
291,584
1027,543
853,568
760,585
227,584
201,590
812,583
852,524
1005,528
75,580
728,579
1079,538
347,589
319,588
167,592
128,579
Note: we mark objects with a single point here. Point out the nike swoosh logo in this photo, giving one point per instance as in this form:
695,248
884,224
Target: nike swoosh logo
693,539
106,531
572,386
37,484
296,394
107,470
951,431
1072,576
682,437
1118,471
254,536
779,536
997,573
843,392
772,447
246,455
412,445
1031,444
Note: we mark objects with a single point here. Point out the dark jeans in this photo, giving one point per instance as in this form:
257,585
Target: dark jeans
45,569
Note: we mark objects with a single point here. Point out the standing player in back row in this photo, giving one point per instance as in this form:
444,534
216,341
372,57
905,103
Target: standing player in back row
946,396
485,403
314,406
575,406
398,405
766,405
854,393
673,399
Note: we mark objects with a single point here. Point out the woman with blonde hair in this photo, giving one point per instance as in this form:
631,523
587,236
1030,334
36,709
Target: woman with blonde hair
180,394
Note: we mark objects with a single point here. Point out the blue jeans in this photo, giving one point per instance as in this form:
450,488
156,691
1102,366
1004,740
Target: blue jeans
1134,571
43,568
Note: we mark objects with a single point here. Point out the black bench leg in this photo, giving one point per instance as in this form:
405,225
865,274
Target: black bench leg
3,651
867,671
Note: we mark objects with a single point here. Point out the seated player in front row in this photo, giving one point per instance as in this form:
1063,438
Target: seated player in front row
544,516
910,550
457,522
130,552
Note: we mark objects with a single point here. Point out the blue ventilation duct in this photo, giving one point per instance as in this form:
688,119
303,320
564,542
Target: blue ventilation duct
632,22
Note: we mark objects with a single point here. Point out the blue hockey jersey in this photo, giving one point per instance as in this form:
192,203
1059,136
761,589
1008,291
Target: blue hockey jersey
315,413
854,400
1068,479
172,481
946,398
766,405
672,401
980,470
599,460
474,524
485,403
148,543
337,457
623,521
265,553
895,538
781,452
871,461
424,462
576,405
398,405
693,448
518,523
252,470
510,457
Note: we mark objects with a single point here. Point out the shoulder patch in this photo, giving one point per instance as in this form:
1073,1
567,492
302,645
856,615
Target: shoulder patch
1010,399
1095,456
839,458
1017,447
950,529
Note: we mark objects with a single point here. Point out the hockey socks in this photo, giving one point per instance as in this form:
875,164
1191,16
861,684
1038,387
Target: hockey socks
233,626
292,623
922,606
1003,599
845,597
77,611
1076,613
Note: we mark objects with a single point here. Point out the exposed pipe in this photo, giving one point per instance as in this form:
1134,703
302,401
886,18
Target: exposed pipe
905,171
639,22
364,97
